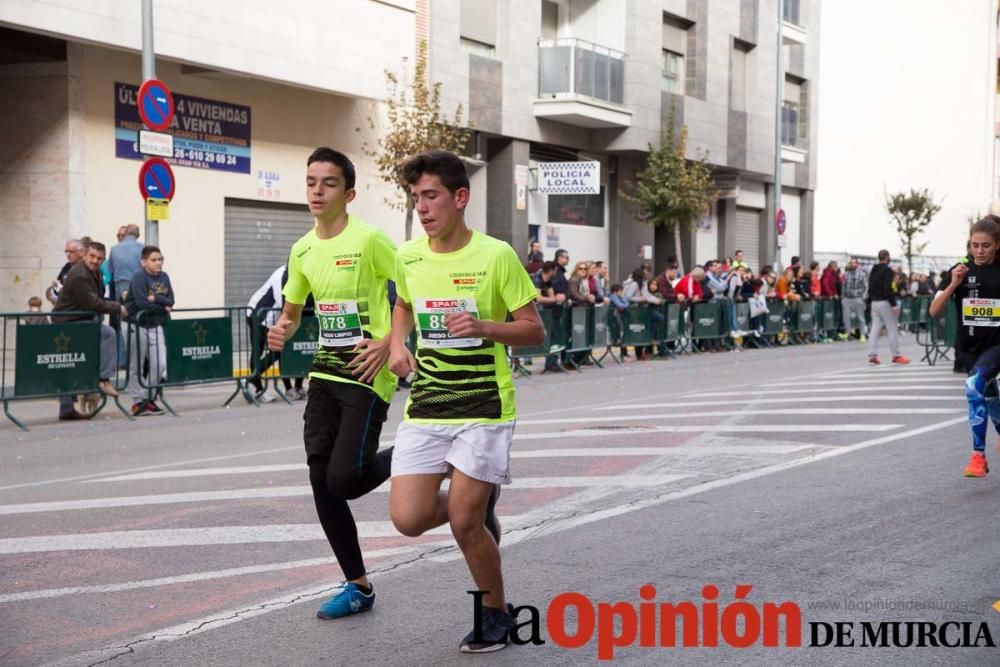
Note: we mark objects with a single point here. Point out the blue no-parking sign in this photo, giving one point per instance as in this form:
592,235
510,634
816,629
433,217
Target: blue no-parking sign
156,104
156,179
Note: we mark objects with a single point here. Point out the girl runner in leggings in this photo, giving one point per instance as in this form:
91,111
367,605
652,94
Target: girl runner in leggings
975,285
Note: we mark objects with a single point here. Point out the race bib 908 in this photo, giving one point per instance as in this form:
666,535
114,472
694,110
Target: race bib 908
431,328
981,312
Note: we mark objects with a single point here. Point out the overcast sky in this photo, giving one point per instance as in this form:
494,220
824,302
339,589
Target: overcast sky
906,100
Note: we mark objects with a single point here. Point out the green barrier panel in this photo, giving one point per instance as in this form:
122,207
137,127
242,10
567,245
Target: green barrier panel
597,326
672,320
827,316
575,329
199,350
297,355
57,358
742,317
923,308
637,326
706,320
950,326
905,312
804,317
775,322
543,348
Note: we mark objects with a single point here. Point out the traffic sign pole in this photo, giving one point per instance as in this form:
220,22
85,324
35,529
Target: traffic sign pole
148,72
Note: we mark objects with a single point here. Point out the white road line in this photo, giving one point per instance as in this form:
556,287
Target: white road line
797,391
572,452
200,576
703,428
219,619
305,490
80,478
203,472
812,412
188,537
865,383
882,398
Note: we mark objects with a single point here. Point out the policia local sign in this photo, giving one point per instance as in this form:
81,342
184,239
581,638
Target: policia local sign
208,134
569,178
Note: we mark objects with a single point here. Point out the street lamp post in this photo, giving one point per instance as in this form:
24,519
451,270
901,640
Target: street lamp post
148,72
778,97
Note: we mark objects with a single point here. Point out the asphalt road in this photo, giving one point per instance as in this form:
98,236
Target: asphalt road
799,472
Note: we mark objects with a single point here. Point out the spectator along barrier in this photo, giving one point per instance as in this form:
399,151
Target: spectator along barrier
49,356
719,323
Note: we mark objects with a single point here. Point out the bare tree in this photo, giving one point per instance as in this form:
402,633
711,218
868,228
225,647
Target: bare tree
416,123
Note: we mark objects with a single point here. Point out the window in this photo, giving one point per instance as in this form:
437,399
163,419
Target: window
738,76
790,12
585,210
478,48
675,45
672,76
790,113
478,26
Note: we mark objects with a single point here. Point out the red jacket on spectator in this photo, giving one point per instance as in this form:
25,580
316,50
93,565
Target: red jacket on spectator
829,283
689,287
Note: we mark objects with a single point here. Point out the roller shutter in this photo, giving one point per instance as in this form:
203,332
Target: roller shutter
258,238
748,236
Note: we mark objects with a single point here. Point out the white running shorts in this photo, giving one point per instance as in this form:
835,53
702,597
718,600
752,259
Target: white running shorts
481,451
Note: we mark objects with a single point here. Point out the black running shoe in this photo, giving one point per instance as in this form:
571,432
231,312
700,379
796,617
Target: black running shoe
496,627
492,522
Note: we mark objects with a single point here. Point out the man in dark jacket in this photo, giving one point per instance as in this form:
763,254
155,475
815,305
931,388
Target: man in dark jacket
82,291
885,310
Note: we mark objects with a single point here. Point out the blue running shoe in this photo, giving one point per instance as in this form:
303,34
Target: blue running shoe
350,600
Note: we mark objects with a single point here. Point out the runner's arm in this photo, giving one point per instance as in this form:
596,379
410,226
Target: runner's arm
942,298
525,330
285,327
401,362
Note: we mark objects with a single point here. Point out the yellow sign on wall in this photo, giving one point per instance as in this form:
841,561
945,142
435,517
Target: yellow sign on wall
157,209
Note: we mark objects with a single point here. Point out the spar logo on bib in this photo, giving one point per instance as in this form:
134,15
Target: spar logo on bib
445,303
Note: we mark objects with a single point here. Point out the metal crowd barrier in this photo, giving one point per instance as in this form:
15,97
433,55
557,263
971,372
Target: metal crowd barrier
294,360
45,356
203,346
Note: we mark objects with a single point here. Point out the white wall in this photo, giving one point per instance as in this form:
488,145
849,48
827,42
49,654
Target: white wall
907,99
707,238
342,46
599,21
791,203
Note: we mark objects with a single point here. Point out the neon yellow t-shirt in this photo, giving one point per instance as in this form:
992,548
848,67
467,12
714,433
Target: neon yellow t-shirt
347,276
461,380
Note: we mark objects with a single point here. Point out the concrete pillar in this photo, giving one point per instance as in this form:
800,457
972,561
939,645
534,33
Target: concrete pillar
806,230
503,220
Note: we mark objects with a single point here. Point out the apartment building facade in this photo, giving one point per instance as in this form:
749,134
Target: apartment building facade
597,80
542,82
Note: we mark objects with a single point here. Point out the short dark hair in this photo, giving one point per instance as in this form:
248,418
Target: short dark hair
98,246
795,259
444,164
561,252
883,255
548,266
324,154
35,302
149,250
616,287
737,252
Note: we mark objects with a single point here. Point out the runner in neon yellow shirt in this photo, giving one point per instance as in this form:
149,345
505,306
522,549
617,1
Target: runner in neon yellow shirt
458,286
345,263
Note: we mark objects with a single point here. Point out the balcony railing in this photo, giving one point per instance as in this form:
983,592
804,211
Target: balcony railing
571,68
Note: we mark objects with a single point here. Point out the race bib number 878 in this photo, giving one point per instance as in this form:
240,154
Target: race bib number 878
431,315
339,324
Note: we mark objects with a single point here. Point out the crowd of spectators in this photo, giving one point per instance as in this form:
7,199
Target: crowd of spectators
563,284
